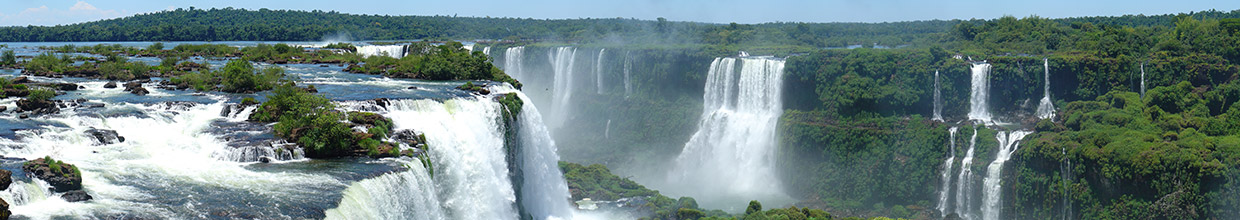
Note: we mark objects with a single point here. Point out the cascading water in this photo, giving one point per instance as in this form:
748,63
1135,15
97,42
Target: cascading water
562,62
628,63
732,154
964,182
1065,174
945,193
408,194
979,95
598,71
466,147
1046,109
545,193
512,62
938,99
396,51
486,51
992,191
1142,79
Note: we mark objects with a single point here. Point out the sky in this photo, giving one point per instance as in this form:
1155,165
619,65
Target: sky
58,12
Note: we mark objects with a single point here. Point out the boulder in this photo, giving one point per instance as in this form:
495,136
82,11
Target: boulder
62,176
4,210
6,178
76,196
136,88
21,80
104,136
11,92
139,91
67,86
109,85
38,106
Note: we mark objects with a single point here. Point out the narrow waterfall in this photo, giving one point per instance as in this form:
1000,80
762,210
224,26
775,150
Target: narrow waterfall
1143,80
396,51
979,95
544,192
466,148
938,99
408,194
1046,109
946,175
732,154
1065,174
598,71
513,57
992,191
607,130
964,182
562,62
486,50
628,63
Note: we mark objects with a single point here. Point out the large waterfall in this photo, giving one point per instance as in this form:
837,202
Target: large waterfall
979,95
396,51
992,191
1045,108
512,62
732,154
964,182
938,99
598,71
946,175
408,194
544,191
562,63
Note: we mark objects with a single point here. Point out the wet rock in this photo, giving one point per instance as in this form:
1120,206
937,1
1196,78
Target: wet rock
67,86
324,65
3,108
62,176
413,87
104,136
6,178
264,159
10,92
136,88
21,80
76,196
139,91
110,85
353,68
4,210
38,106
23,116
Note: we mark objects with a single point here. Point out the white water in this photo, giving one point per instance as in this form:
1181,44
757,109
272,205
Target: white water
562,62
945,193
964,182
545,193
732,154
1065,174
938,100
598,71
408,194
979,95
512,62
992,191
467,152
1142,80
396,51
169,146
607,131
486,51
628,63
1046,109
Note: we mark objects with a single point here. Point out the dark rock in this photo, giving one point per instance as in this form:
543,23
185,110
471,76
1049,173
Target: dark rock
3,108
353,68
132,85
65,178
136,88
67,86
80,100
311,89
38,106
109,85
6,178
4,210
413,87
382,102
139,91
324,65
76,196
104,136
21,80
264,159
23,116
10,92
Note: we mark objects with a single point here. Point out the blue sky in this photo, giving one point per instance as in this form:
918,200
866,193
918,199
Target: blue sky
53,12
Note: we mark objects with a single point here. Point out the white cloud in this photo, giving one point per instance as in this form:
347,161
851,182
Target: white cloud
83,6
43,15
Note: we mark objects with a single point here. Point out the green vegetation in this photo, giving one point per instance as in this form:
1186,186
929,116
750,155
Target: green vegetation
238,76
444,62
59,168
40,95
312,122
342,46
8,58
512,105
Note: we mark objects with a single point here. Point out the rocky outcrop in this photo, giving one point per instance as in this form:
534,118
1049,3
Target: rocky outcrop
62,176
4,210
479,89
76,196
104,136
136,88
38,106
110,85
6,178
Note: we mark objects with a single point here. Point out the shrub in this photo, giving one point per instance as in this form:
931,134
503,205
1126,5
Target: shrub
41,94
8,58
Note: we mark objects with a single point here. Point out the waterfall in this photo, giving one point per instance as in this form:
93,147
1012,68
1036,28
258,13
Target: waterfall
964,183
945,193
607,130
544,192
946,174
486,50
938,99
1143,80
396,51
598,71
628,63
466,148
733,151
512,62
979,95
562,60
992,191
1065,174
408,194
1046,109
